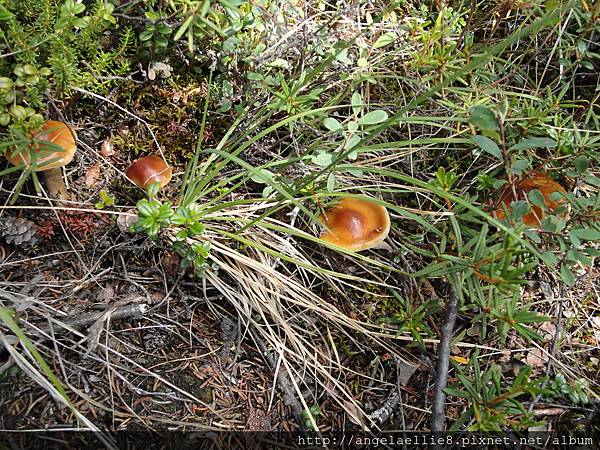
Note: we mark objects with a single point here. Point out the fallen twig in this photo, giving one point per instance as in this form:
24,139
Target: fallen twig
404,372
382,414
438,417
283,382
132,311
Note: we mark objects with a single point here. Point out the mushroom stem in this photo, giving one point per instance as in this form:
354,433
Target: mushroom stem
55,184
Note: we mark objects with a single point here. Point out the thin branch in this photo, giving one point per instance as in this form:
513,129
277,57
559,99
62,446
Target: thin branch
438,417
62,208
132,311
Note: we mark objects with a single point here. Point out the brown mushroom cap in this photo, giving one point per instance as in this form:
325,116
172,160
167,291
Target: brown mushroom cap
46,156
356,224
533,180
148,170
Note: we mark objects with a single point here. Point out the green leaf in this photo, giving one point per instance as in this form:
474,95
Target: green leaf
474,394
183,28
330,182
146,35
254,76
185,263
533,235
152,189
201,248
230,44
581,163
567,276
227,88
385,39
456,392
5,15
487,145
534,142
225,106
165,212
519,166
342,57
483,117
593,180
262,176
197,228
178,219
161,41
537,198
355,171
525,316
373,117
549,258
6,83
585,234
164,29
356,103
322,159
352,142
144,208
578,256
518,209
527,333
277,62
81,23
333,125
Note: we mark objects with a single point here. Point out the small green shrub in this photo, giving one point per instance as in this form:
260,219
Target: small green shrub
494,402
51,46
154,215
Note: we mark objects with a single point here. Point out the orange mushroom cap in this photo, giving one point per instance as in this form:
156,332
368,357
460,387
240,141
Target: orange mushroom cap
533,180
46,156
356,224
149,169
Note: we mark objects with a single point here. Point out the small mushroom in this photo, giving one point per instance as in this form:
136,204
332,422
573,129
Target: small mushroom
149,170
533,180
48,158
356,224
